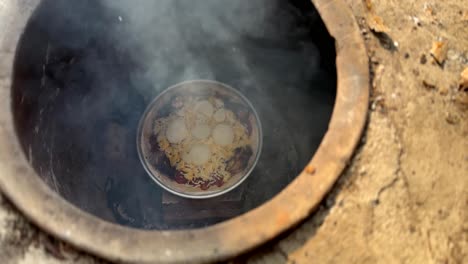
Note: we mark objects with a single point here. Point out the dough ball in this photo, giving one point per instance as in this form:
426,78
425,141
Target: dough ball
223,135
198,154
176,131
205,108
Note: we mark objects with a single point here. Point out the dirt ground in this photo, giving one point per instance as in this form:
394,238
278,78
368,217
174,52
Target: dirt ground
404,197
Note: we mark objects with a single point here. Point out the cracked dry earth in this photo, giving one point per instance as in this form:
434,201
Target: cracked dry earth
404,197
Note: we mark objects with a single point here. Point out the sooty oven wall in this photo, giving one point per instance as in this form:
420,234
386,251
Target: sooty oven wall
86,70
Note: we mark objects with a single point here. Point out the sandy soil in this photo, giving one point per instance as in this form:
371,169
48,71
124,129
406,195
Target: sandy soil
404,198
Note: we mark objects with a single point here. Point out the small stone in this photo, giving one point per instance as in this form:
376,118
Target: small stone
310,169
429,9
429,86
453,55
416,20
452,119
463,87
439,51
379,101
362,171
443,90
377,24
374,60
423,59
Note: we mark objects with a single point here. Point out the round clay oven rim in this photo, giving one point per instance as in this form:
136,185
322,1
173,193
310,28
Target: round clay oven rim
49,211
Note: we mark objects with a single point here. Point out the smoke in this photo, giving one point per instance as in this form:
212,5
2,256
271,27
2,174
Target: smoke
264,48
178,40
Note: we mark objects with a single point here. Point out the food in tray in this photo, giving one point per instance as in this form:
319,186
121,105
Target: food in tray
202,141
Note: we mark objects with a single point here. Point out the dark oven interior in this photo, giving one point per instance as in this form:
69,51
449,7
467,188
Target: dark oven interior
86,70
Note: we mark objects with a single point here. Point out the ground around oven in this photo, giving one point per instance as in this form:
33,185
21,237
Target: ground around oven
404,197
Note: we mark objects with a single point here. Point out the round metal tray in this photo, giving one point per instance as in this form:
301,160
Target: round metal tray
196,87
